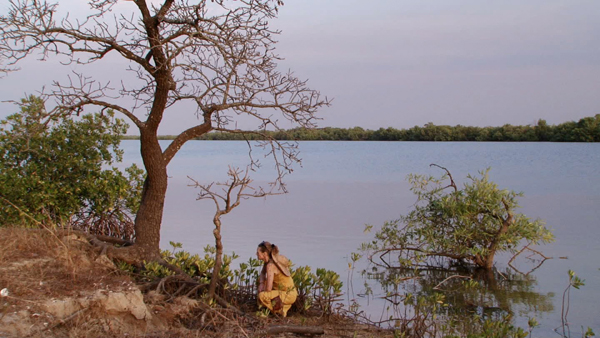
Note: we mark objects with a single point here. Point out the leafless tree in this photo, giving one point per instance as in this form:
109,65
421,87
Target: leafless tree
227,198
217,54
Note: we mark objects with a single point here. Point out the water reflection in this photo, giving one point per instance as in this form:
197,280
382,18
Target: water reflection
428,301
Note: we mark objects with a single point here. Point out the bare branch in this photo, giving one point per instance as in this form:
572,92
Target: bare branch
452,184
228,198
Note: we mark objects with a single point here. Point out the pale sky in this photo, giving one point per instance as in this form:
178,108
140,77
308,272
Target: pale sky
401,63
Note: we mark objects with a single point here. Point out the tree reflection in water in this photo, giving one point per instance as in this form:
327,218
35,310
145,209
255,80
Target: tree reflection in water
433,301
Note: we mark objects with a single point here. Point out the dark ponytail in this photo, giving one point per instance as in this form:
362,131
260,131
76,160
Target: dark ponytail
272,249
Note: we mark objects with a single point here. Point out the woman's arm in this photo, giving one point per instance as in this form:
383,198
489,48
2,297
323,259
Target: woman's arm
270,275
262,279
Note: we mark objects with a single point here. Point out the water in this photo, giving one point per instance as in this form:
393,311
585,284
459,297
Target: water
342,186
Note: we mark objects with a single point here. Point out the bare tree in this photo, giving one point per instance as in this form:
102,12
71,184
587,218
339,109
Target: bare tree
229,197
217,54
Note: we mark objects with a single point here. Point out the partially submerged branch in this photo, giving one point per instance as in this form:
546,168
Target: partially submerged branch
535,252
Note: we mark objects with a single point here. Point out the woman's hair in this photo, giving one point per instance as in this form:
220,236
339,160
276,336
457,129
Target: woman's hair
272,249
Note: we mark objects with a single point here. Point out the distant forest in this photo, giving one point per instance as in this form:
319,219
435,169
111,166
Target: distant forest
585,130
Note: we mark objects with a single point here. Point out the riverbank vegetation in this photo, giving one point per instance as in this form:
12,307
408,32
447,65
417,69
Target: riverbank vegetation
585,130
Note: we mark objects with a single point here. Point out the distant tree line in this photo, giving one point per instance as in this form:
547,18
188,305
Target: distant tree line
586,129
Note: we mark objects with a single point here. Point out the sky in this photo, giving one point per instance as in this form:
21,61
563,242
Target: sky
401,63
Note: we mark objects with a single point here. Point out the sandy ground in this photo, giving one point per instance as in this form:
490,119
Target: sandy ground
57,286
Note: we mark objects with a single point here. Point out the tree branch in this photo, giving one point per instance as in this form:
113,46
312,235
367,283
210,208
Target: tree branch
452,184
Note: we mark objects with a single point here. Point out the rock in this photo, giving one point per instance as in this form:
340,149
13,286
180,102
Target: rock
131,301
63,308
110,303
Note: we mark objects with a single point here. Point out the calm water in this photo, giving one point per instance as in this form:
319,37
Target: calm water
342,186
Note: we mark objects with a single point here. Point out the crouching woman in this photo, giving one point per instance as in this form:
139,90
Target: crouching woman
276,290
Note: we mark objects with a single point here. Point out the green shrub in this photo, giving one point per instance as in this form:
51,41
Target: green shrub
59,171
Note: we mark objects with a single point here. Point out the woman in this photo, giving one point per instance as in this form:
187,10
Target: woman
276,289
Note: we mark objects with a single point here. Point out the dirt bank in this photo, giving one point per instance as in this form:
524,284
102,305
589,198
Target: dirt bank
57,286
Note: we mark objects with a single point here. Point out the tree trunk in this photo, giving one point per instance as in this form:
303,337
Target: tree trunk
149,216
493,248
489,260
218,257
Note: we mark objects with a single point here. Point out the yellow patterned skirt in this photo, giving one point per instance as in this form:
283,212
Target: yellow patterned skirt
288,298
